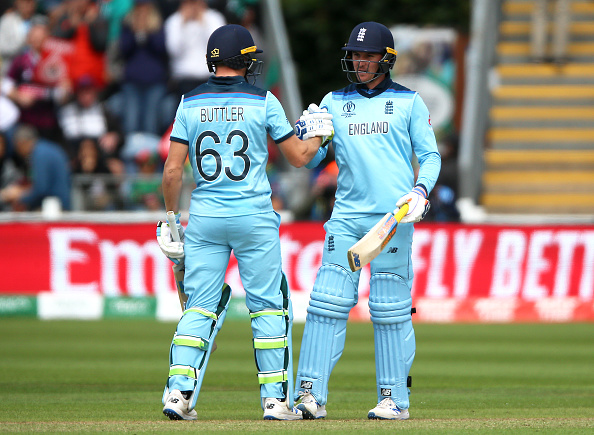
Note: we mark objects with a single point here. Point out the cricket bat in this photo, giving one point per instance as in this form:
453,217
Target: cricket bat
370,245
178,273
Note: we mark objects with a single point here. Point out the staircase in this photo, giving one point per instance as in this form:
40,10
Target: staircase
540,153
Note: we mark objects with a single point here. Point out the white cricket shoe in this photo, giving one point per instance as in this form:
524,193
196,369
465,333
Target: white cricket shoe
310,407
387,410
274,409
176,407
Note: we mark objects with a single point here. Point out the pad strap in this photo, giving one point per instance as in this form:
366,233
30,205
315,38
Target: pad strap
188,371
190,340
269,313
272,377
202,311
270,342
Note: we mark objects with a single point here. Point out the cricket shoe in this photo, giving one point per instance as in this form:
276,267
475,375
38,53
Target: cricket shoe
274,409
387,410
310,407
176,407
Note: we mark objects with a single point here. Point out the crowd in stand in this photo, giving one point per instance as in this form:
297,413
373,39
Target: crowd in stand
91,87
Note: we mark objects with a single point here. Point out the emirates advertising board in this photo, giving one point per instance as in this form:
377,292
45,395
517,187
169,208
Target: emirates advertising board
463,273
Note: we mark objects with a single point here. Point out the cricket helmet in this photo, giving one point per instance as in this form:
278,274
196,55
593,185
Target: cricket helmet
232,45
369,37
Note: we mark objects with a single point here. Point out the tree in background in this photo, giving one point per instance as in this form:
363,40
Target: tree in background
316,32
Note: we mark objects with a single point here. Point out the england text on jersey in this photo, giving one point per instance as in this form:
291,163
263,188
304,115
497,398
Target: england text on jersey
365,128
221,114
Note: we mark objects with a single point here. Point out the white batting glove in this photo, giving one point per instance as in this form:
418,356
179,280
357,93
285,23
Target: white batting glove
172,249
418,205
315,122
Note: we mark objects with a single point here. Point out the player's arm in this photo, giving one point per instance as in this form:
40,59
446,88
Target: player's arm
315,123
172,174
299,152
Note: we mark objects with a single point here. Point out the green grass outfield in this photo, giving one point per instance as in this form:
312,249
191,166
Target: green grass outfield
108,376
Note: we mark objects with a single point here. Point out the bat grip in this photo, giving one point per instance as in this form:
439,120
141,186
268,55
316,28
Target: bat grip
173,226
401,212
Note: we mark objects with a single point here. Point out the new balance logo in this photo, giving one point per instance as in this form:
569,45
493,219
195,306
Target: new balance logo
386,391
361,34
392,250
308,385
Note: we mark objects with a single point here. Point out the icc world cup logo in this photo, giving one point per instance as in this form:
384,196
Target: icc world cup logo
348,109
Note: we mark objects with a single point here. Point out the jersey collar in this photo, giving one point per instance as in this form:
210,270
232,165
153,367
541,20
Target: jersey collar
364,91
233,80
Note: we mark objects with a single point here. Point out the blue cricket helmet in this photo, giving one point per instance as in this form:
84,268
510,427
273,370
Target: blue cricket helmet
232,45
369,37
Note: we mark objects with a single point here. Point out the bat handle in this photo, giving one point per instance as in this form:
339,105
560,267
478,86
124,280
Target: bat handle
173,226
401,212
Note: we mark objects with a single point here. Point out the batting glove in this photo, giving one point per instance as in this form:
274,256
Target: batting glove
172,249
315,122
418,205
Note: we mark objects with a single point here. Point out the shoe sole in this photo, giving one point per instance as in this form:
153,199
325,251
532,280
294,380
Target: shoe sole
270,417
307,415
174,415
372,416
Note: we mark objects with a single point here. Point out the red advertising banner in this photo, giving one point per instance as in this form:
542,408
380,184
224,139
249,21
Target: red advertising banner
462,272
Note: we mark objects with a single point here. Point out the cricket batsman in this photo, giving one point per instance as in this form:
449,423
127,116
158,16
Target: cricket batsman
223,126
379,124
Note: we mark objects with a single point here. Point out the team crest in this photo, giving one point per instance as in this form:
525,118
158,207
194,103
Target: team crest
361,34
215,52
389,109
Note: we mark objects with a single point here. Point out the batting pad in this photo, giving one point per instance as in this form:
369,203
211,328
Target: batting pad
390,305
272,330
331,300
191,347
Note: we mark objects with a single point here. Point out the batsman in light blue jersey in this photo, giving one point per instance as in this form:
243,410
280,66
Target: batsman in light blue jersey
378,124
223,127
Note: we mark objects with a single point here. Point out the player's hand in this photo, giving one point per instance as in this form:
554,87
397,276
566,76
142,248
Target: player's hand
172,250
315,122
418,205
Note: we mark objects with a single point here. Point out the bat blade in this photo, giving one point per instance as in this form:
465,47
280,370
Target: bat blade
370,245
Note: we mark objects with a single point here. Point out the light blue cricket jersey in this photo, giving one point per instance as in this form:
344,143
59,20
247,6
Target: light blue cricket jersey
225,123
375,135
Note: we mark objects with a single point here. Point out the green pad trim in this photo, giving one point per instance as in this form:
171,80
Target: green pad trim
188,371
271,342
202,311
272,377
191,341
269,313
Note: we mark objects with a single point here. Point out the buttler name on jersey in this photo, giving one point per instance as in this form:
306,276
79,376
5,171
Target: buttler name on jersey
364,128
221,114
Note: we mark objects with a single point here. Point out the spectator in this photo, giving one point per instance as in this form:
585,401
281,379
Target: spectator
48,172
324,191
186,34
99,192
145,189
39,82
81,23
114,12
9,112
142,46
540,26
9,173
14,26
87,116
